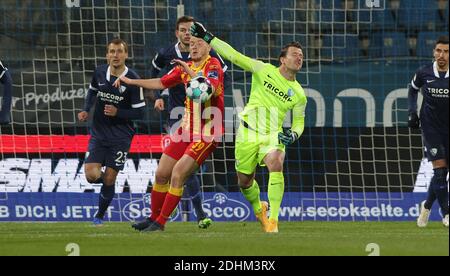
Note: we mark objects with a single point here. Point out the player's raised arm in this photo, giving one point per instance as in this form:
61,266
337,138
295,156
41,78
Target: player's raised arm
185,67
145,83
225,50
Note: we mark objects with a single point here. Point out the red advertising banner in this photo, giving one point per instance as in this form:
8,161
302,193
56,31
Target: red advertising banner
70,144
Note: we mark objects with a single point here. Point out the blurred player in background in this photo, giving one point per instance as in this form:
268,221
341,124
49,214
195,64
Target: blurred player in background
5,108
261,138
433,79
194,141
177,95
112,130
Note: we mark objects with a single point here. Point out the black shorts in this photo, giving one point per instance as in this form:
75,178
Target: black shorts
110,154
436,144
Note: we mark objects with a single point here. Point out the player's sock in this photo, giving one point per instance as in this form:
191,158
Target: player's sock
439,186
198,208
193,187
275,193
252,194
105,198
431,198
173,197
159,192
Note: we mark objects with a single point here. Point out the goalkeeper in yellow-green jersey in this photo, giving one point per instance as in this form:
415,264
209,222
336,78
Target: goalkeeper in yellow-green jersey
261,138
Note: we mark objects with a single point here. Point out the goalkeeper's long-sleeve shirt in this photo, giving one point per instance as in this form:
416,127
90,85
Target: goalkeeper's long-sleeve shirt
272,96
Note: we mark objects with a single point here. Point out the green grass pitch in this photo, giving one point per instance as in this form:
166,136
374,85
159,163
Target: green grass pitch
226,239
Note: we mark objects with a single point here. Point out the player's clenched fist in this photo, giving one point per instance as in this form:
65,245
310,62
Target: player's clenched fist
413,121
287,137
83,116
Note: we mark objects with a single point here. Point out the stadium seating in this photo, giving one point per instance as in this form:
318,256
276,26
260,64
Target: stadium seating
277,7
385,19
329,4
330,11
426,42
418,14
446,16
240,39
239,21
339,47
388,44
236,15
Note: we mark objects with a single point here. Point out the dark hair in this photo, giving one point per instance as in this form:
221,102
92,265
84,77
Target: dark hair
442,40
117,41
285,49
184,19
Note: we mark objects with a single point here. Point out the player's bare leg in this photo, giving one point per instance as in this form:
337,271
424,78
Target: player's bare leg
159,190
161,185
250,190
93,172
184,168
274,161
164,170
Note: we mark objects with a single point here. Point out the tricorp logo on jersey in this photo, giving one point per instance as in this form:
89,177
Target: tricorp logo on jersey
284,97
221,208
438,92
108,97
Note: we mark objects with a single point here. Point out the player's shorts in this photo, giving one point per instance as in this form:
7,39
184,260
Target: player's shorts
436,144
251,149
199,150
108,153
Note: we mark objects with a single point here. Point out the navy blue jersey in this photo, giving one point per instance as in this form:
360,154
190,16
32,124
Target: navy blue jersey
5,108
127,99
435,89
162,61
3,70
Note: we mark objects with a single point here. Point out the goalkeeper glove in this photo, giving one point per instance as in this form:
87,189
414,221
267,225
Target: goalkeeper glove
198,30
413,120
287,137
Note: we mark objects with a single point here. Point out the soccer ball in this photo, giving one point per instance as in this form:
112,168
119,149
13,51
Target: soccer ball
199,88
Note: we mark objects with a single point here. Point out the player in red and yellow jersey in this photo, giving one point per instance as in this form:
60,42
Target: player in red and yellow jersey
194,141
